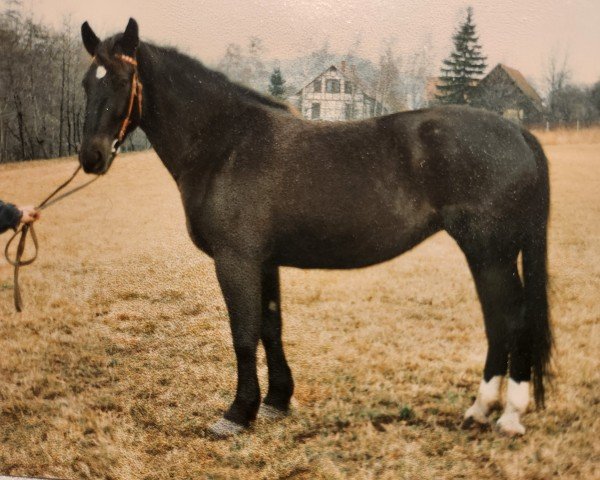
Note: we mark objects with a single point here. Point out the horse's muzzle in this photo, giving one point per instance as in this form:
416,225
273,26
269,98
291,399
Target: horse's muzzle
96,155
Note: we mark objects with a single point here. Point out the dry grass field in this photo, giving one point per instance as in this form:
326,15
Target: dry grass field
563,136
123,353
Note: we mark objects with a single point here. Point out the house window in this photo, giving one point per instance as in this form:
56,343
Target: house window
315,111
332,86
318,85
347,87
349,111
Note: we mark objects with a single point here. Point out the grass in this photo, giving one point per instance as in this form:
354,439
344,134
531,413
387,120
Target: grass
123,353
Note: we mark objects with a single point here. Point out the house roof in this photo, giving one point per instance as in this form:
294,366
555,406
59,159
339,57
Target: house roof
519,80
348,74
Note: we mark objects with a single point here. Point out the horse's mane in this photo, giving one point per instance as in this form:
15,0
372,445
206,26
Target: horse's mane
195,68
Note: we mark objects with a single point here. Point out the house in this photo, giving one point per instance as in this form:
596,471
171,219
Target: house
337,94
505,91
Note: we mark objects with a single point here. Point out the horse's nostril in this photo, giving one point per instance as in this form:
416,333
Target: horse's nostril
97,156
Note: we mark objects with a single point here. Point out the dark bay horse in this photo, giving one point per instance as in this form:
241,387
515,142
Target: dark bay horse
262,188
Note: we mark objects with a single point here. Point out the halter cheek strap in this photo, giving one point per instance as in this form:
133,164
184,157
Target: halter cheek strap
136,92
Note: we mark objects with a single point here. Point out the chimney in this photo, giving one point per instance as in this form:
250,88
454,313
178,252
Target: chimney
343,66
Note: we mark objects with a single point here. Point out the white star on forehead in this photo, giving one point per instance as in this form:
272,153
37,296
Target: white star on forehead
100,72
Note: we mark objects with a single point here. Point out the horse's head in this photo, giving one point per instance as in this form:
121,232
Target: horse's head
114,96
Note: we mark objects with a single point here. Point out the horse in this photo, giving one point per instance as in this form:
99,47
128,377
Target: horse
264,189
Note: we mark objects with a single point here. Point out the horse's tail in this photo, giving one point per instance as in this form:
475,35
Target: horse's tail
535,274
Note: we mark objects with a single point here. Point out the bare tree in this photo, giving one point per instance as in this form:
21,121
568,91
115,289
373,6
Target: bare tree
387,87
557,77
246,66
415,71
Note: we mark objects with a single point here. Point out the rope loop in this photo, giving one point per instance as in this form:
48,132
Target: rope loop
17,261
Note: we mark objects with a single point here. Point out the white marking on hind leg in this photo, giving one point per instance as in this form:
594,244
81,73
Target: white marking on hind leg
517,399
489,393
273,306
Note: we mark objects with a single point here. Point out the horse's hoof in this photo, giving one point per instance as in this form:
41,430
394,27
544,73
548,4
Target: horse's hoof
509,424
224,428
471,422
268,412
475,416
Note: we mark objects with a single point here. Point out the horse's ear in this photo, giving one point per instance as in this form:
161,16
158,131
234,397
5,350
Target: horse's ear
130,39
90,40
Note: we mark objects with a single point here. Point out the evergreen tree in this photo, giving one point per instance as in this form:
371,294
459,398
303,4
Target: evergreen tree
464,67
276,87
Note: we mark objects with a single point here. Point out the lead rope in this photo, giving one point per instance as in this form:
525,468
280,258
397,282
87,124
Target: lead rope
17,262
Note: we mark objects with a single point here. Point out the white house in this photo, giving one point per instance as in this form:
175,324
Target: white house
337,94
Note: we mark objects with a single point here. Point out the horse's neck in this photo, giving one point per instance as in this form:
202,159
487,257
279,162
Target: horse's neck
179,113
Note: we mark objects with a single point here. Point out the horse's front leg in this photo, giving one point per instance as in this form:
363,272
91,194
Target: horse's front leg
240,281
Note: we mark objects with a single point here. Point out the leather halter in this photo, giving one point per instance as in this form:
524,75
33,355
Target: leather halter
136,92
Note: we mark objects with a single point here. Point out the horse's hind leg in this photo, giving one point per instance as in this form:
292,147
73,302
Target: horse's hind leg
281,384
517,393
501,295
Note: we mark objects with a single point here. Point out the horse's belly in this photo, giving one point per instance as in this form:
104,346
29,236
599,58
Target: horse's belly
369,244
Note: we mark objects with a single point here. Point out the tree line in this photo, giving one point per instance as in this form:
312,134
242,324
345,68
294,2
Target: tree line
396,80
400,81
42,103
41,106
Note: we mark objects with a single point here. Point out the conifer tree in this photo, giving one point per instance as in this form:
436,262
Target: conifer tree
463,68
276,87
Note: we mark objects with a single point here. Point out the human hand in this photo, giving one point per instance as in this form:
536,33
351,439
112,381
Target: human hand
29,214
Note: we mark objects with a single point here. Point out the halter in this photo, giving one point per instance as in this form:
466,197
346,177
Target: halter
136,92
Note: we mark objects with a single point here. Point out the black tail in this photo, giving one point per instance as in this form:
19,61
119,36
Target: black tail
536,276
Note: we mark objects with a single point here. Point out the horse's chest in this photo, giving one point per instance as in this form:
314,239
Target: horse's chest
198,235
198,222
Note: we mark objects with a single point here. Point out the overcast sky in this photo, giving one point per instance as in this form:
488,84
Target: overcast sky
519,33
